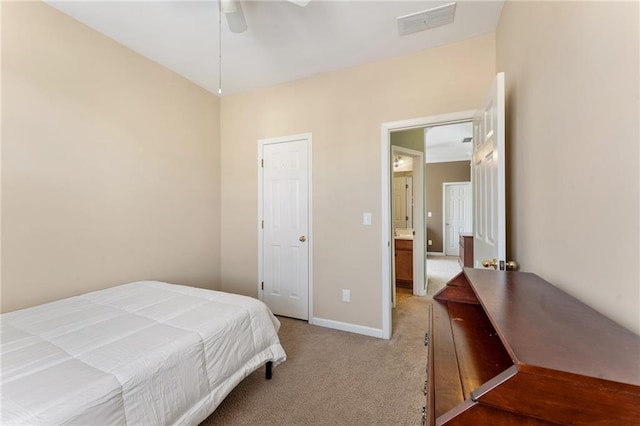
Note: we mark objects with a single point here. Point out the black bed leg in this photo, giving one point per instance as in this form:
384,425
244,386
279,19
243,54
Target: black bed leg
269,372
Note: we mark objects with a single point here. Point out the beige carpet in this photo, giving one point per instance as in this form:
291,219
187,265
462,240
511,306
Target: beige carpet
440,269
337,378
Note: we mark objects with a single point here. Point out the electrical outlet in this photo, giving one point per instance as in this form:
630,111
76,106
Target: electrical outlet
346,295
429,243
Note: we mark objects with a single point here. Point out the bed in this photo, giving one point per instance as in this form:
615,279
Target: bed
142,353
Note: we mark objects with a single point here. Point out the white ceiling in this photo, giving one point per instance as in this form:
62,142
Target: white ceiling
444,143
284,42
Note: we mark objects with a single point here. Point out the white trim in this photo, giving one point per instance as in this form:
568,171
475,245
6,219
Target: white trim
261,143
386,234
435,253
351,328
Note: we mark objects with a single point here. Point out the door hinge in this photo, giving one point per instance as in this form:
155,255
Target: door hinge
262,224
263,285
406,218
262,163
406,186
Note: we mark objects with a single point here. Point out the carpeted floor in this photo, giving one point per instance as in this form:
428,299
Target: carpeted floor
440,269
337,378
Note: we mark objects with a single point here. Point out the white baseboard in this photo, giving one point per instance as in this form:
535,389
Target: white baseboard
435,253
345,326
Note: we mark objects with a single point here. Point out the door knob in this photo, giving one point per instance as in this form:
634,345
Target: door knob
511,265
490,263
303,238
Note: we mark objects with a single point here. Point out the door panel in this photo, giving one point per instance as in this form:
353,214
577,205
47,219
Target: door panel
399,203
285,238
403,202
488,165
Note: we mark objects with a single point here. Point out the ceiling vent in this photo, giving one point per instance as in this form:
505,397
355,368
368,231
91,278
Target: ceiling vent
426,19
465,140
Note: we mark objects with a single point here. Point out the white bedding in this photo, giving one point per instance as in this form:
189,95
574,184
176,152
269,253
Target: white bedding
142,353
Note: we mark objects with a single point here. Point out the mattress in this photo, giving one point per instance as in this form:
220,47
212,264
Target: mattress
141,353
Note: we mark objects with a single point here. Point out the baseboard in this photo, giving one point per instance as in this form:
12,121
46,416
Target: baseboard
435,253
345,326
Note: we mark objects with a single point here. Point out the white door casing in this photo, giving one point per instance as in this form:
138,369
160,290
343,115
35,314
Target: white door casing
488,175
457,214
408,201
284,224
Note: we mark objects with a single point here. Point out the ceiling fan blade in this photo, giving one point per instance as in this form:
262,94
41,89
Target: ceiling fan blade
301,3
232,9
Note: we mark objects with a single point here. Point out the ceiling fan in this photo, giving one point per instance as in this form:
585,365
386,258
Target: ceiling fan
232,10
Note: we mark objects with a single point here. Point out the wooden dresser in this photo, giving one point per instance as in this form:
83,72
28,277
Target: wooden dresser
466,251
509,348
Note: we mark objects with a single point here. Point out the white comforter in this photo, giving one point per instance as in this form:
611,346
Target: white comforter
142,353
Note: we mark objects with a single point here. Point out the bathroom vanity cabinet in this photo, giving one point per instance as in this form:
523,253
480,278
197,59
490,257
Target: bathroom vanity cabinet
404,263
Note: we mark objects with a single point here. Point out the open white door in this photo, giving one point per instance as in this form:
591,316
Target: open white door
488,170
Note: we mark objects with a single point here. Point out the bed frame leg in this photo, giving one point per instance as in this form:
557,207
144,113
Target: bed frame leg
269,373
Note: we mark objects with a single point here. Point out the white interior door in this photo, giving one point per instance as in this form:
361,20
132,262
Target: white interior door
403,202
488,170
285,244
457,215
399,202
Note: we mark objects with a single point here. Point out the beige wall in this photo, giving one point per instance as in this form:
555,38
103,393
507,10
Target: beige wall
110,164
437,174
344,111
411,139
573,137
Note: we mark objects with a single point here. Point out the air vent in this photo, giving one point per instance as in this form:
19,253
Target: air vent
465,140
426,19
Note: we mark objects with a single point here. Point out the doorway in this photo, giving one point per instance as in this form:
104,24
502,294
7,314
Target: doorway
408,233
388,289
284,225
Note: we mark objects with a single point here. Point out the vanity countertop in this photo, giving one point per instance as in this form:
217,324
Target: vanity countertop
403,234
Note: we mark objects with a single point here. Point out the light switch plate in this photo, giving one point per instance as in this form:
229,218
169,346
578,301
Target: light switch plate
366,218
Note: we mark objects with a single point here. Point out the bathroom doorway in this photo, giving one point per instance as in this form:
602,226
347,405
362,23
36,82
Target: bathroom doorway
407,207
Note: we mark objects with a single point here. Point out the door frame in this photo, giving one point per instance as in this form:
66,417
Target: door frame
417,192
444,208
386,228
283,139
